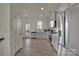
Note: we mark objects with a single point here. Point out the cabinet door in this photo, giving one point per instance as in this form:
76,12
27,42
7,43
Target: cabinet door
55,41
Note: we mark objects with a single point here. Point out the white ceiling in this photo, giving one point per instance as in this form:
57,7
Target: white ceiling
33,10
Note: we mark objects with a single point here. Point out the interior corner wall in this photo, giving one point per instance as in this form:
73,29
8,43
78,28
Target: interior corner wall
5,28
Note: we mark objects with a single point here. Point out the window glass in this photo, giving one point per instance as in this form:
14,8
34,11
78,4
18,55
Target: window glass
52,23
39,24
27,27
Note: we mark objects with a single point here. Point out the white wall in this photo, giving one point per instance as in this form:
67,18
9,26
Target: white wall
5,28
74,29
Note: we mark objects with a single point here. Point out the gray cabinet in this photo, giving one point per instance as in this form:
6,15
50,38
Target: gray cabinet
55,41
39,35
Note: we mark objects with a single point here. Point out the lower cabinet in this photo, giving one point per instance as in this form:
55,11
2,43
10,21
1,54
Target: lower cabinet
55,41
39,35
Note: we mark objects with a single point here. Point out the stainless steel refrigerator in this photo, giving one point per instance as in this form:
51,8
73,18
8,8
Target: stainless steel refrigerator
68,30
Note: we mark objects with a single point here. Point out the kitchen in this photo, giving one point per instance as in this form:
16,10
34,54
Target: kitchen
34,24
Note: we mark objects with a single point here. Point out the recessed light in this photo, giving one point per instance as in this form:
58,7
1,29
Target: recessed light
26,15
42,8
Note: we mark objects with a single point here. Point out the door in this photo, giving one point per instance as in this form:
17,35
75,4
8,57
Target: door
28,32
64,32
61,32
62,29
18,42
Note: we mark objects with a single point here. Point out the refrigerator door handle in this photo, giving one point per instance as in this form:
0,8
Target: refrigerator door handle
65,29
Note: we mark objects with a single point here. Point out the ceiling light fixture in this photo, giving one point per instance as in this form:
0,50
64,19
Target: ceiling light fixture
42,8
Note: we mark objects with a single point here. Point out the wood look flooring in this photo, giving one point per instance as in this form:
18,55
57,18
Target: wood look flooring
37,47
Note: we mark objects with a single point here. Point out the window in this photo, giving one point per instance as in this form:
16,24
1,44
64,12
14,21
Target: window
39,24
52,23
27,27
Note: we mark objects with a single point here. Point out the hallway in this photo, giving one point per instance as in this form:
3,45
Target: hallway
36,47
